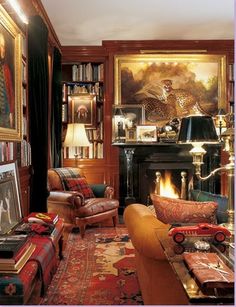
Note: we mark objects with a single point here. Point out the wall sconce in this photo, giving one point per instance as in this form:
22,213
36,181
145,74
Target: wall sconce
199,130
76,137
119,120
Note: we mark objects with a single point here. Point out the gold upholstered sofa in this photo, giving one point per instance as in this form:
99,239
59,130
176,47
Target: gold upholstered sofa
158,283
147,226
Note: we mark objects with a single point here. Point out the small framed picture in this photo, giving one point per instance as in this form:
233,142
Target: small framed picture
130,135
83,109
10,197
126,117
146,133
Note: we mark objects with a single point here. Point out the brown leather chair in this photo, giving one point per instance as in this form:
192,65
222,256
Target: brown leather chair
73,207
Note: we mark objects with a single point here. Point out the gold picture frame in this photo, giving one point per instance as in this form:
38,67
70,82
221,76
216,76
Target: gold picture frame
171,85
11,88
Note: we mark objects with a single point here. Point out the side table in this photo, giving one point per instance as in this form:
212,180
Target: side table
195,293
25,287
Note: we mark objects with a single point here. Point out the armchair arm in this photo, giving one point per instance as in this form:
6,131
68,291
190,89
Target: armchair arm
75,199
102,190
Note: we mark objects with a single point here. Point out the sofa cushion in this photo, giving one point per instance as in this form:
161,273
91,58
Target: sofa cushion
222,201
80,185
177,211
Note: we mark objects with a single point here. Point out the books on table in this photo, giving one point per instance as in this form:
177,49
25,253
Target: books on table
9,245
47,217
17,262
209,269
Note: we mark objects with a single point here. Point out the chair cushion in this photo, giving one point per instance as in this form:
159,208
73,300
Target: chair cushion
94,206
80,185
177,211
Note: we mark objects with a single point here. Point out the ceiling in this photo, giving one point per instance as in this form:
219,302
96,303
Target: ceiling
89,22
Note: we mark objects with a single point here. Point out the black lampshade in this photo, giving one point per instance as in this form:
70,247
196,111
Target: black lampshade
197,128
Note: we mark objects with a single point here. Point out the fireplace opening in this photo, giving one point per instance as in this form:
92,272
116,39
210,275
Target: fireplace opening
173,183
140,164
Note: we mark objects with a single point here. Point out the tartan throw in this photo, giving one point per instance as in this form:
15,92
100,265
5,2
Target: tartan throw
80,185
45,255
43,260
68,172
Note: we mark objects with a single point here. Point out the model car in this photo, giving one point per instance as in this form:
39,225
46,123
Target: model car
219,233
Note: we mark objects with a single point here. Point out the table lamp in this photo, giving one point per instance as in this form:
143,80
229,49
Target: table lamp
198,130
76,137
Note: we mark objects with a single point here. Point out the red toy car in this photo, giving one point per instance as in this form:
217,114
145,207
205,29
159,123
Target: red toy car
219,233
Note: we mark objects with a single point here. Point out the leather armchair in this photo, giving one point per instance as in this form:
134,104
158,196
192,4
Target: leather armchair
73,207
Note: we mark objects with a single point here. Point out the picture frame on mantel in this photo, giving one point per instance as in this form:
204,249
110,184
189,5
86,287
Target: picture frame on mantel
11,75
171,85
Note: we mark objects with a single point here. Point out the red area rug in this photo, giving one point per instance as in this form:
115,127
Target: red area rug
98,270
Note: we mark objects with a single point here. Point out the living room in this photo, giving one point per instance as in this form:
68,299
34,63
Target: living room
137,88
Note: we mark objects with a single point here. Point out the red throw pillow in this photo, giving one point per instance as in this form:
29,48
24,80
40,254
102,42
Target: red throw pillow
80,185
174,211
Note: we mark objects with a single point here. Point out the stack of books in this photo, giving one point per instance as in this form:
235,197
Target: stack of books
15,251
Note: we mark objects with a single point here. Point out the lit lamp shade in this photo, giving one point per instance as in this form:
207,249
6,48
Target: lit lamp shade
197,128
76,136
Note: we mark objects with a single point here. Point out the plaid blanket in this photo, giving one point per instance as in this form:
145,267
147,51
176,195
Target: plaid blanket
43,261
45,255
67,173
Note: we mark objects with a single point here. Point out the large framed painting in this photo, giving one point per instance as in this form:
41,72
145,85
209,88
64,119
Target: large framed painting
10,201
10,79
171,85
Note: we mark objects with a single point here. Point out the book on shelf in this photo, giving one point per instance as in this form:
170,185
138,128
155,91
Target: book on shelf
209,270
46,217
10,245
15,268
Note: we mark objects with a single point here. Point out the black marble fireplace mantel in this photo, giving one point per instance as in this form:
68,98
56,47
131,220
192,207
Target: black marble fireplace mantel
136,160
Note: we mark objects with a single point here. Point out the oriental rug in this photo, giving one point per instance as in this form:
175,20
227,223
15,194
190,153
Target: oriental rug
96,270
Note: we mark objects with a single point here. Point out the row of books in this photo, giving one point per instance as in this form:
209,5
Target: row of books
87,72
20,150
93,151
23,153
81,88
6,151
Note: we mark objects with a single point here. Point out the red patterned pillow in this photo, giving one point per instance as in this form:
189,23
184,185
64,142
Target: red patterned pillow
80,185
173,211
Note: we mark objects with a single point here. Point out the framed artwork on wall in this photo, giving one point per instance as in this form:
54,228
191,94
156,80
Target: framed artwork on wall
10,79
10,206
146,133
171,85
83,109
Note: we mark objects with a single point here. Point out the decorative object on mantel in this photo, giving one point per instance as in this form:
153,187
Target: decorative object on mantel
76,137
190,133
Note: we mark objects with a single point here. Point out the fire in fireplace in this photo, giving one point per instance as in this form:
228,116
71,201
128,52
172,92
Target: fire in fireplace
165,187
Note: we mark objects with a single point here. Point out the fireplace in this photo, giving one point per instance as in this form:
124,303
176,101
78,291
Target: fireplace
144,168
